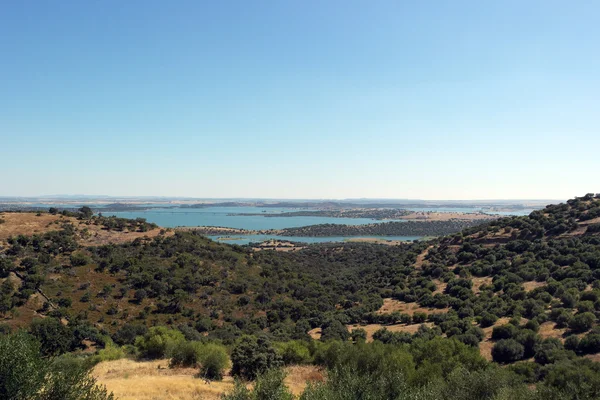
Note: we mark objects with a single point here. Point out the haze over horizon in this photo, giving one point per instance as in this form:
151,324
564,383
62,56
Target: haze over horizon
464,101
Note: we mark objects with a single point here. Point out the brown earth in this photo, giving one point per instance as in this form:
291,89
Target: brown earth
391,305
88,233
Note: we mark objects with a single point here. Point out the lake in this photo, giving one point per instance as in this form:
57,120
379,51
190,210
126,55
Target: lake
225,217
221,216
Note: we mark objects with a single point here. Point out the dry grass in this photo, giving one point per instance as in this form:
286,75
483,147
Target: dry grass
440,286
478,282
30,223
485,346
529,286
549,330
390,305
153,380
299,375
421,258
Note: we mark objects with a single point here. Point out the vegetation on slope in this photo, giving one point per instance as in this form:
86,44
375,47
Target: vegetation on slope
524,290
408,228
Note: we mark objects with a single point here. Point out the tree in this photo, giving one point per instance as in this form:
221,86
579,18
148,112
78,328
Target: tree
158,342
6,292
334,330
54,337
140,295
507,350
26,374
488,319
86,212
549,351
128,332
213,361
253,356
582,322
358,335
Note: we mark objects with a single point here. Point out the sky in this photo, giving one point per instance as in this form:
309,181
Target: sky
300,99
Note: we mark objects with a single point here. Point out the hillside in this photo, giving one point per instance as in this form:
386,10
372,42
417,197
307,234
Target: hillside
518,288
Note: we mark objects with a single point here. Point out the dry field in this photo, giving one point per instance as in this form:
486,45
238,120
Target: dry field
153,380
390,305
29,224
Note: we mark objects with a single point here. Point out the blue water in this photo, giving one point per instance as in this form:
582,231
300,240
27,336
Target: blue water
225,217
221,216
241,240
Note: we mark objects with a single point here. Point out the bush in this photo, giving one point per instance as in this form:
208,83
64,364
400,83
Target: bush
158,342
572,343
507,351
294,352
582,322
419,317
128,332
185,354
54,337
334,330
507,331
79,259
253,356
488,319
590,344
109,353
213,360
549,351
358,335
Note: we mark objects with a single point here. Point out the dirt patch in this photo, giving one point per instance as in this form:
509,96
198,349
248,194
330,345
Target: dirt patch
485,346
315,333
529,286
478,282
421,258
549,330
440,286
390,305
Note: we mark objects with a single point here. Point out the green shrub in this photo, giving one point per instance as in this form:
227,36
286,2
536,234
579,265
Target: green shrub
507,331
213,360
26,374
294,352
419,317
185,354
253,356
158,342
582,322
110,352
507,351
488,319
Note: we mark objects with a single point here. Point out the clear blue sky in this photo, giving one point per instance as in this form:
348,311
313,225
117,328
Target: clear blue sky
301,99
